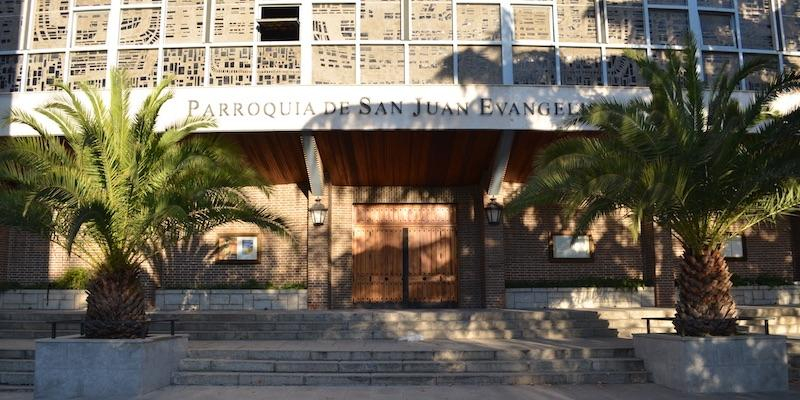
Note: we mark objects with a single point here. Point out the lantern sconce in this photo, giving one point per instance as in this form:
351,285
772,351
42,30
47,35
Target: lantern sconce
494,212
318,213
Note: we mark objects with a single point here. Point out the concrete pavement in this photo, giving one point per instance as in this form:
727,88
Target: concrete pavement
560,392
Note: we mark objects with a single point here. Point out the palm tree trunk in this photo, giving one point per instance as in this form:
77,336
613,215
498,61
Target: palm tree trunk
116,305
705,303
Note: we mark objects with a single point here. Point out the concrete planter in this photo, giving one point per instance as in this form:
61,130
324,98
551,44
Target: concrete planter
752,363
767,295
589,297
72,367
231,300
42,299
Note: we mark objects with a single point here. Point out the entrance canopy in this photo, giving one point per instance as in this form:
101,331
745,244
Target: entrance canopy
395,158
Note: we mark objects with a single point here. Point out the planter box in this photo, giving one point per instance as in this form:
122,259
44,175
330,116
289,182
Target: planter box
766,295
535,298
751,363
230,300
40,299
73,367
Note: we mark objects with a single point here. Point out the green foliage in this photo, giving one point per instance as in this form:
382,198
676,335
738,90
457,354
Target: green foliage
693,159
112,181
73,278
618,283
760,280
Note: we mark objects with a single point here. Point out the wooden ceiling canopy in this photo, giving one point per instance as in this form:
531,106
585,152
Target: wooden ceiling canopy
527,146
277,156
407,158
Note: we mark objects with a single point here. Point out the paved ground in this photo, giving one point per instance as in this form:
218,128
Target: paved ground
561,392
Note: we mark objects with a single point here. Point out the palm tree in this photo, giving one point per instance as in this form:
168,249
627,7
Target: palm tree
116,192
696,161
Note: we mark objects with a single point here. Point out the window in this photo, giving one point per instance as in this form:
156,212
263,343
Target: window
734,248
567,247
279,23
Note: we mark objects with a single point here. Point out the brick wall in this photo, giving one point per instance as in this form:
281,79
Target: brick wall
282,260
769,251
527,237
33,259
469,236
3,253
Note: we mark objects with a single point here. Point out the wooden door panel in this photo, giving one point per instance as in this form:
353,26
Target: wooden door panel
377,265
432,272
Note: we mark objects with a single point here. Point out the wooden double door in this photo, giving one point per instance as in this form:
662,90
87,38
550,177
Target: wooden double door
405,255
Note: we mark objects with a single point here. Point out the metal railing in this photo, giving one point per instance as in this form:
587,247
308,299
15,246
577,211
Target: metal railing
54,325
683,333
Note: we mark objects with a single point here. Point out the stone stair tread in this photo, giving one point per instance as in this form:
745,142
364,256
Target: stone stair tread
16,388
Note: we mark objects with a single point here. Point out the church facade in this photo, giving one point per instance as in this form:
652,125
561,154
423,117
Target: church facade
392,130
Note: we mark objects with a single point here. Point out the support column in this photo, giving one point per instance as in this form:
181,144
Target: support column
647,246
665,263
794,222
319,236
494,260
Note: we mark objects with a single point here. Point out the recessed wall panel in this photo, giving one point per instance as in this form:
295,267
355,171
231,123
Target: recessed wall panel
10,73
480,65
88,67
185,21
580,66
334,21
577,21
278,65
478,22
382,64
11,24
90,28
668,26
755,21
533,22
431,20
140,26
718,29
231,66
761,79
186,66
534,65
430,64
49,28
625,22
333,65
381,20
717,63
623,71
44,70
790,12
140,65
233,21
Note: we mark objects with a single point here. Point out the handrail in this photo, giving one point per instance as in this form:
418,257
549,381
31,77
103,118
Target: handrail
683,333
54,324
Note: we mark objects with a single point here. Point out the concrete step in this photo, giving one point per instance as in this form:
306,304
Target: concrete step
15,388
769,311
566,365
17,354
418,355
16,378
16,365
337,379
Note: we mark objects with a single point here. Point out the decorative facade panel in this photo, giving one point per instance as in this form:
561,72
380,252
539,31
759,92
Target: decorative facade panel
89,3
718,29
10,73
715,3
334,22
381,20
141,1
478,22
278,65
185,66
668,26
382,64
533,22
184,21
44,70
668,2
480,65
430,64
755,21
88,67
140,65
334,65
534,65
231,66
431,20
580,66
11,22
233,21
790,11
577,21
140,26
622,71
791,63
50,19
764,76
90,28
625,23
717,63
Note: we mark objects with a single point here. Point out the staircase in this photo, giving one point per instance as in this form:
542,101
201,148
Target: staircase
793,351
16,368
343,325
395,363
